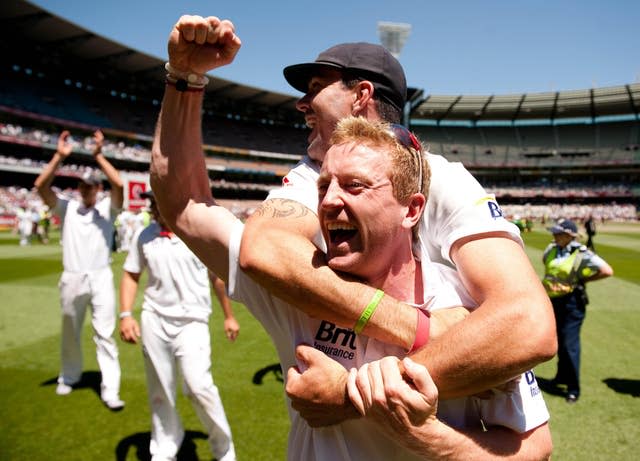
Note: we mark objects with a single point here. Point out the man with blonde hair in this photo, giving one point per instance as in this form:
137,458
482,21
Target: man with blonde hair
181,184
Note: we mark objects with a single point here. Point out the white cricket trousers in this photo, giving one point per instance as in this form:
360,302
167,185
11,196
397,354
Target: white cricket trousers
77,291
170,346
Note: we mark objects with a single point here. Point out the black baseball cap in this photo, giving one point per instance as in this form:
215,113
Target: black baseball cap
363,60
564,226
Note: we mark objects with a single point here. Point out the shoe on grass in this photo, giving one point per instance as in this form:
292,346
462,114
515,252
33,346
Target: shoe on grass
114,404
63,389
571,398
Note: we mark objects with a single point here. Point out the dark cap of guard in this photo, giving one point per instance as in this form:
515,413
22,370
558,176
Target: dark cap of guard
564,226
363,60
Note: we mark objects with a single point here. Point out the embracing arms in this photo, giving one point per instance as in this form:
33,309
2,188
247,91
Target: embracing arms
403,401
513,321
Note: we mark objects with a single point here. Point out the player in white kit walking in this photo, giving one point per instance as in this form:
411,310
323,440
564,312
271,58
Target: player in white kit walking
175,335
87,279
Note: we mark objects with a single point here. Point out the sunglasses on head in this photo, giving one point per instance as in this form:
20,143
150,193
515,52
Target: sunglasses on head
409,141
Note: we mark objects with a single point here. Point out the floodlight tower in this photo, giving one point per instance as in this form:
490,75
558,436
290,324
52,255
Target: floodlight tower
393,35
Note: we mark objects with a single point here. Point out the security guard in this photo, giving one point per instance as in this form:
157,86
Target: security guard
568,266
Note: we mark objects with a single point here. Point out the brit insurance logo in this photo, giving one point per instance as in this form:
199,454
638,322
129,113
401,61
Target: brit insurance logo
338,343
494,209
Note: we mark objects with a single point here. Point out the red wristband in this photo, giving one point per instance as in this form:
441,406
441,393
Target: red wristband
422,330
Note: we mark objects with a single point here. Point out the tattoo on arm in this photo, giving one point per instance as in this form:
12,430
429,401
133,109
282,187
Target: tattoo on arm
282,208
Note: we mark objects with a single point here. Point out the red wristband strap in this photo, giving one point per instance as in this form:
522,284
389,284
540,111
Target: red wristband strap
422,330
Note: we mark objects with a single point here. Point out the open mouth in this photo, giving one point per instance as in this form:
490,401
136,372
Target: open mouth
341,232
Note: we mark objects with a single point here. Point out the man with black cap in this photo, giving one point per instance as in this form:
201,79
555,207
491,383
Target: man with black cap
464,224
87,235
568,266
380,251
349,77
463,228
175,335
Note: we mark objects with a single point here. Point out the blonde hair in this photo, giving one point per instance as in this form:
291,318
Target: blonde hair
408,176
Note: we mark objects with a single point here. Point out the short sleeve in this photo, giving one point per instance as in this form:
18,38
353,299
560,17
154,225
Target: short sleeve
457,207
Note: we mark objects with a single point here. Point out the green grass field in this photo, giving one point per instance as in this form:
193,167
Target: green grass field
36,424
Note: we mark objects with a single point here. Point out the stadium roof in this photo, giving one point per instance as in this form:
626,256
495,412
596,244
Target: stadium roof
591,103
30,33
29,28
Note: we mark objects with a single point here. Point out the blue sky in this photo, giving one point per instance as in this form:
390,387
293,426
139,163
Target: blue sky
455,46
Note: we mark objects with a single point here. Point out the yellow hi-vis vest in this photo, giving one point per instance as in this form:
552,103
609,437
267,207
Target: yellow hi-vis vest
561,275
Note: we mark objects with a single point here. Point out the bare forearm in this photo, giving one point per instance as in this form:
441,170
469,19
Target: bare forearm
128,290
181,184
220,290
113,176
469,358
129,327
403,401
178,171
511,331
289,265
441,442
48,172
45,179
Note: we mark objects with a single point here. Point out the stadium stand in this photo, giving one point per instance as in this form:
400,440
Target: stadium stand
573,147
577,146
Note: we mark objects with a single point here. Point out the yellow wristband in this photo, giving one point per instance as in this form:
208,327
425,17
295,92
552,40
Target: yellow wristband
368,312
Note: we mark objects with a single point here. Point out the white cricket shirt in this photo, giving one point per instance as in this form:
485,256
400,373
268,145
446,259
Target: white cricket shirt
178,282
360,439
87,234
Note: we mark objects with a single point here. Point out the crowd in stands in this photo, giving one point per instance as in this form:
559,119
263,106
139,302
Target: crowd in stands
17,201
576,144
33,165
553,211
22,211
142,153
608,190
121,150
12,199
